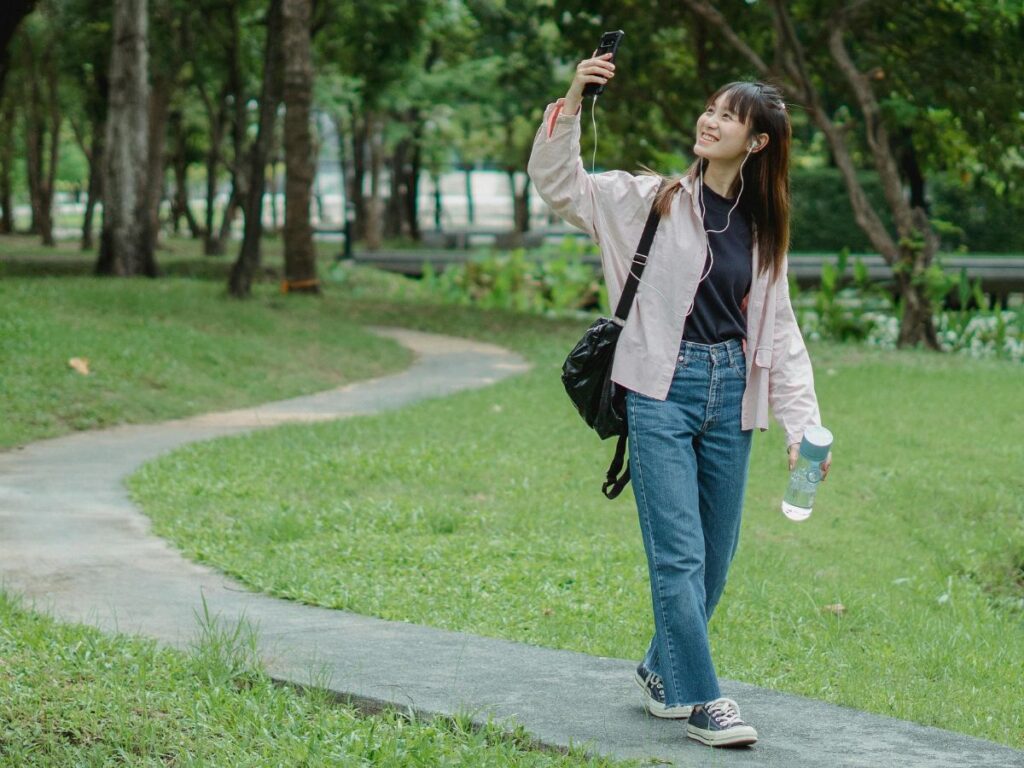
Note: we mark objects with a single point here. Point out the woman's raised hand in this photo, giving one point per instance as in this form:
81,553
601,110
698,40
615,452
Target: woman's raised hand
597,69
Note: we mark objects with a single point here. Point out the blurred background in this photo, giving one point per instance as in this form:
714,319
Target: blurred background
412,122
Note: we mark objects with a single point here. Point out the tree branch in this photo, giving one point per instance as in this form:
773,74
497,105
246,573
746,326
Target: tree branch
796,63
706,11
874,126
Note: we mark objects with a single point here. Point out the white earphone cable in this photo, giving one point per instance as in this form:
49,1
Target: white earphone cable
711,255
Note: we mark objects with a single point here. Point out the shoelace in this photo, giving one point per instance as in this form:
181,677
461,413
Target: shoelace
654,681
725,711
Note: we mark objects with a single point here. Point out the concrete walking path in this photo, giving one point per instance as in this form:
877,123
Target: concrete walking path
72,542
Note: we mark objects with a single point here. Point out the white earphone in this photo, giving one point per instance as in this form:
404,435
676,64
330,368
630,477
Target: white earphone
703,210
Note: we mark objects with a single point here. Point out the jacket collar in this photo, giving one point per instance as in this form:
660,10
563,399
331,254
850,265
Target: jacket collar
687,183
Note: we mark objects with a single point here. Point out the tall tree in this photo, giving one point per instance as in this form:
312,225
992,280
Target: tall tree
85,59
299,252
40,94
911,248
125,243
166,62
220,67
7,121
248,261
375,42
184,152
523,36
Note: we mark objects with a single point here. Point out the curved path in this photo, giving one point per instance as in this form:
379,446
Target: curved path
72,542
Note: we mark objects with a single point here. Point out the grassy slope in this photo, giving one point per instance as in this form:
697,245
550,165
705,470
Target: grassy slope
481,512
162,349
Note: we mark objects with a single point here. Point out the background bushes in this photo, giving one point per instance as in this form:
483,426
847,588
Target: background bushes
968,218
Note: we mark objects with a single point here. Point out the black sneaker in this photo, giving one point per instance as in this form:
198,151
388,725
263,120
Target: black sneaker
717,723
654,696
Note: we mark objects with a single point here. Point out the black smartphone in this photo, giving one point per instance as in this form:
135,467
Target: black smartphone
609,44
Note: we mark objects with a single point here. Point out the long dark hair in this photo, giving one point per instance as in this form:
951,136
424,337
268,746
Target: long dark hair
765,199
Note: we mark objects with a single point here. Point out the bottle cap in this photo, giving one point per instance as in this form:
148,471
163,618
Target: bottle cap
816,443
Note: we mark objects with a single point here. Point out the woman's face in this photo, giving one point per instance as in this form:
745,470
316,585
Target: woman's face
720,134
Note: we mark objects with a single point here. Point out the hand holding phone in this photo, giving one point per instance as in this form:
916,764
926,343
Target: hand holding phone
609,44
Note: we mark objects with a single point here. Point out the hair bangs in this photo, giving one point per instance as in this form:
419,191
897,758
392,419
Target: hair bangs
740,98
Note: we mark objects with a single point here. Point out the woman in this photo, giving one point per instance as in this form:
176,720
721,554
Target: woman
710,346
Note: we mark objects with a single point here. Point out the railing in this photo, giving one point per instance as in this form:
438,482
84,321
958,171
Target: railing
998,276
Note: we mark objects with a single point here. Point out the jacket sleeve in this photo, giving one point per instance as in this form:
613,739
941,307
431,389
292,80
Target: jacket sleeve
791,378
592,202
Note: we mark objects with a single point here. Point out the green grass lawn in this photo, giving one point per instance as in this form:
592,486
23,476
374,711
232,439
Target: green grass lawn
481,512
72,696
161,348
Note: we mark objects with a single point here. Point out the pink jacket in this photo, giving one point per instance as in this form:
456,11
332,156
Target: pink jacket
612,208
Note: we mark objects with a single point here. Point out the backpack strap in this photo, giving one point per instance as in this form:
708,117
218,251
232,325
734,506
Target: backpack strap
636,269
613,483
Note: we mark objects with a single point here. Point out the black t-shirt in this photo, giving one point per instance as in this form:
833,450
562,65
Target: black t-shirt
716,312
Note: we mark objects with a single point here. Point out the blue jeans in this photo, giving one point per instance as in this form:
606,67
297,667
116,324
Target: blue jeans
689,458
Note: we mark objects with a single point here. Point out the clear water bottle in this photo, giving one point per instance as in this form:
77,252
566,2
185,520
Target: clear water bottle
806,475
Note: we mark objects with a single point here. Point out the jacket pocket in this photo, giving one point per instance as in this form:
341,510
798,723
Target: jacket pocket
763,357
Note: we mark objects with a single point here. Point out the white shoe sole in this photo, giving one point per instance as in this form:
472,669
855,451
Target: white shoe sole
740,736
657,709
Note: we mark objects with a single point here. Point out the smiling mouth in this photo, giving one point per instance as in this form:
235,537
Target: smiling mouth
707,137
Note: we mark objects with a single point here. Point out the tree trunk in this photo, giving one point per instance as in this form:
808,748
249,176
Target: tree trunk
53,130
217,116
124,244
159,106
918,243
470,212
346,176
275,182
521,202
239,124
95,188
299,253
394,212
211,244
248,262
912,251
42,133
360,139
6,165
373,209
179,162
228,219
437,202
911,170
412,179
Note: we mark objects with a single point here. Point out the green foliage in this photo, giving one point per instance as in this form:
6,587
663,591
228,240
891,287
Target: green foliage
979,218
545,280
822,218
840,310
967,217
